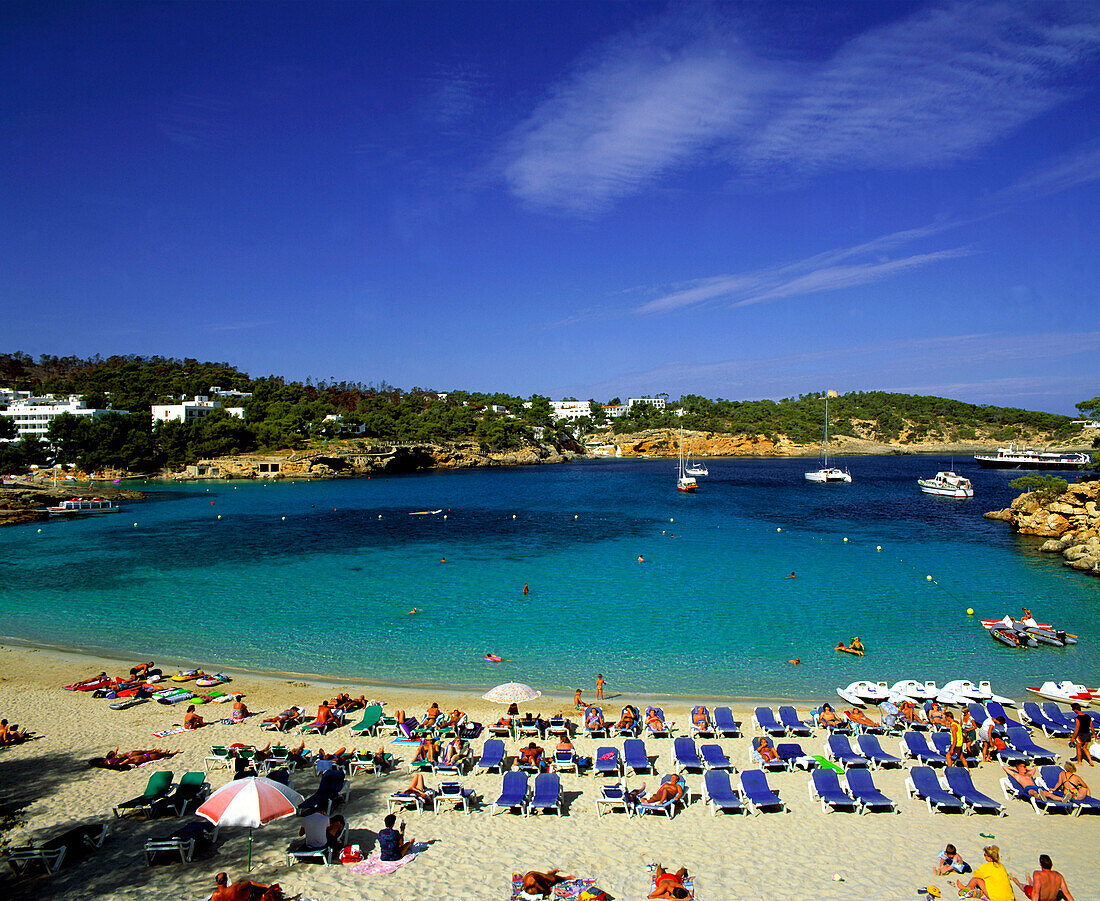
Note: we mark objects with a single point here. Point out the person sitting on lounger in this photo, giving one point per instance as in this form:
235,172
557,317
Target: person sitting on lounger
701,718
1047,884
530,756
673,790
432,715
419,788
339,756
654,721
453,720
536,883
242,890
828,717
1025,776
669,885
392,844
908,712
564,743
456,748
1070,786
329,788
858,716
593,719
428,751
766,751
936,715
325,716
627,720
192,720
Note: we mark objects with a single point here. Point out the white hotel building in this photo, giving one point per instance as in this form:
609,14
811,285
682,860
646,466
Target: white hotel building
191,410
33,415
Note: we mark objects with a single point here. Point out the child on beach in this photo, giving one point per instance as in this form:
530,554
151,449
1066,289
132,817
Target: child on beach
950,861
599,686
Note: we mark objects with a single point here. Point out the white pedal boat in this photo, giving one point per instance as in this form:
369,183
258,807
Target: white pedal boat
912,690
963,691
1067,693
863,692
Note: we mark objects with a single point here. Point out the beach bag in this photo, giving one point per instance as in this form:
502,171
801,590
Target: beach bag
351,854
593,894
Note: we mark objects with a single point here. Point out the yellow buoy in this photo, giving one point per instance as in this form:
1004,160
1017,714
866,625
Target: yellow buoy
513,516
928,578
670,519
284,519
219,516
444,515
845,540
969,611
878,547
39,530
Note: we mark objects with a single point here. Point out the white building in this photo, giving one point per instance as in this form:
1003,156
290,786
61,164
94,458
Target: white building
33,415
658,402
614,411
218,391
570,409
192,410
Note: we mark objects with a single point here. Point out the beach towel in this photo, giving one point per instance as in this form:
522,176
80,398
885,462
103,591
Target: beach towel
174,730
563,891
376,866
230,721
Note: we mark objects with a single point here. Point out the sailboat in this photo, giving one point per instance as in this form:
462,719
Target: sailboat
827,473
695,468
684,482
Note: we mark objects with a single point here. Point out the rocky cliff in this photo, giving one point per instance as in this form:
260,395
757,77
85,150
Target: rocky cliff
24,501
1070,521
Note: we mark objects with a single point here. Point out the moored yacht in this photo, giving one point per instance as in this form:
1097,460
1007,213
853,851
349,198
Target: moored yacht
947,484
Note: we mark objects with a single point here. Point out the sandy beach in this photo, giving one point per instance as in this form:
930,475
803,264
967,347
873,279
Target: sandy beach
47,787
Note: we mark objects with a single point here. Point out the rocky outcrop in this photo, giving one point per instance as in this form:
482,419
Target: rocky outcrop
1070,522
26,501
350,459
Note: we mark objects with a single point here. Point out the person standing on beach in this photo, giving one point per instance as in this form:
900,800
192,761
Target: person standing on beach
599,686
1082,734
1047,884
956,749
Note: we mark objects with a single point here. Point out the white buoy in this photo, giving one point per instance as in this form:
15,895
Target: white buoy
379,515
40,531
878,547
778,529
513,516
219,516
670,519
284,519
135,525
574,516
845,540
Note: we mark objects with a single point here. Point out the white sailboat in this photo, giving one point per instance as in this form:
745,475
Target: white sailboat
684,482
827,473
694,467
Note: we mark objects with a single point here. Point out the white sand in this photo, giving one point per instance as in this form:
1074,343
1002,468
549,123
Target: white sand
772,856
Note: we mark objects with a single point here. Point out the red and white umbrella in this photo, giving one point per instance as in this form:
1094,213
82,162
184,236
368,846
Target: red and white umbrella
512,693
250,802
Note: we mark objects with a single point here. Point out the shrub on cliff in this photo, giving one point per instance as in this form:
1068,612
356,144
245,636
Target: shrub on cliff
1046,488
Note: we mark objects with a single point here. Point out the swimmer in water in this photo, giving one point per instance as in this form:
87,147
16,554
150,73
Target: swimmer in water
641,559
792,575
412,612
444,560
526,590
794,661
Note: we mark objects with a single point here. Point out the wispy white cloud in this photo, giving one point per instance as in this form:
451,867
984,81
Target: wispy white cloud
929,89
1080,167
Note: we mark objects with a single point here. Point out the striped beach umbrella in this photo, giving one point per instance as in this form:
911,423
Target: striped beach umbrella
511,693
250,802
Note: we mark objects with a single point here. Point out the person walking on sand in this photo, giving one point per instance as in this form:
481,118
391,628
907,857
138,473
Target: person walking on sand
599,686
1082,734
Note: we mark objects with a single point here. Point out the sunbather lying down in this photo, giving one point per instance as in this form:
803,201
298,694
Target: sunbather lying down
114,760
536,883
669,885
669,791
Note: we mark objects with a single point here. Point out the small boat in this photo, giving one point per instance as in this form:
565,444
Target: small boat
912,690
1044,633
947,484
694,467
1013,638
83,506
863,692
827,473
1013,457
684,482
216,679
963,691
187,675
1067,692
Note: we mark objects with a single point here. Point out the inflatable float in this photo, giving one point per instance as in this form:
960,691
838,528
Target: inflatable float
187,675
215,679
492,658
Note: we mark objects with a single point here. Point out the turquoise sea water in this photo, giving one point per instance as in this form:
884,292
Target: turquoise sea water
319,577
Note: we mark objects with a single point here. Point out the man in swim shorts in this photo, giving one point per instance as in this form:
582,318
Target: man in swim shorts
669,885
956,749
1026,779
1047,884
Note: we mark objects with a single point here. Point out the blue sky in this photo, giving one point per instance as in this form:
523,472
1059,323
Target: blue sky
735,200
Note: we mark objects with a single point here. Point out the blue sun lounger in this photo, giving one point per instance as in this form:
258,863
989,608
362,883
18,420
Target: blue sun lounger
792,755
598,730
685,757
1049,776
714,758
996,709
922,783
1038,719
635,758
824,786
513,793
961,783
1021,741
755,791
1010,788
546,795
607,762
706,730
725,726
492,756
664,731
772,766
838,748
863,788
718,794
566,761
872,750
1056,714
788,716
915,745
764,720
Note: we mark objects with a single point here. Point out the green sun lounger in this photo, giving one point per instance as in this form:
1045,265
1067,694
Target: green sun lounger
372,717
157,788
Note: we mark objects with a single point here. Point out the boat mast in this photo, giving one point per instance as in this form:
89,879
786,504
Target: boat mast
825,437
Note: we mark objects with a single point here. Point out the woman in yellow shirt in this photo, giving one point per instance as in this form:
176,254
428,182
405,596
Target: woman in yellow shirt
991,877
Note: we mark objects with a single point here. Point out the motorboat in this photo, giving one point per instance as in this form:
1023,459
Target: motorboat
1013,638
1043,633
684,482
1067,693
863,692
912,690
947,484
83,506
1013,457
963,691
827,473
